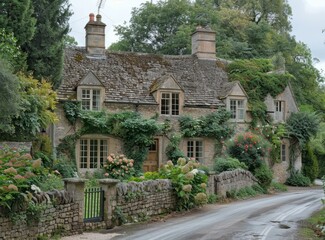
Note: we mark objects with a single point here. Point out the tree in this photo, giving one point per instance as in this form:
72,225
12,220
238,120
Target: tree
35,110
45,50
69,41
276,13
9,96
16,16
11,52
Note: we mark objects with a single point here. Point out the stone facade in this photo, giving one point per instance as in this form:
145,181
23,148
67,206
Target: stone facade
139,201
230,180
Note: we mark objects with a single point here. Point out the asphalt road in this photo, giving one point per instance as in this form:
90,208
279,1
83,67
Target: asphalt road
266,218
263,218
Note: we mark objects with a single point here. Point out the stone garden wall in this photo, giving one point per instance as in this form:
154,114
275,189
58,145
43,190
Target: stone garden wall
139,201
230,180
60,214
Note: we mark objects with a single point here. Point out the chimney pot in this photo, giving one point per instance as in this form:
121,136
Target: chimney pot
91,17
99,18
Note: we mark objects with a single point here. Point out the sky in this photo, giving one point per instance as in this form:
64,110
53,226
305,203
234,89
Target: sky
307,21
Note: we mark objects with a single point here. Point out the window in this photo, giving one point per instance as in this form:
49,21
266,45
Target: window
90,99
195,150
169,104
92,153
283,153
279,110
237,109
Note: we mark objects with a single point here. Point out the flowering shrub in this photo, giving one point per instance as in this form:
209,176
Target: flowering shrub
18,172
118,167
249,148
188,181
274,134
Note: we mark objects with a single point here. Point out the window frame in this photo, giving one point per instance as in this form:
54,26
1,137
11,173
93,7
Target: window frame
195,150
174,103
84,152
237,109
95,97
279,115
283,153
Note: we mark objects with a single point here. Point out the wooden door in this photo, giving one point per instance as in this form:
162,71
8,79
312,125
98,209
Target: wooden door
151,163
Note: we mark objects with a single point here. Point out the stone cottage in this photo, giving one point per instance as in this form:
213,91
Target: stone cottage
167,86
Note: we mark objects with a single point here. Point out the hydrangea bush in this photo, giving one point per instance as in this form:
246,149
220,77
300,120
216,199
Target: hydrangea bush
18,172
119,167
188,182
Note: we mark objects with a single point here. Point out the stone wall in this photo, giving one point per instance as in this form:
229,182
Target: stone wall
60,215
231,180
139,201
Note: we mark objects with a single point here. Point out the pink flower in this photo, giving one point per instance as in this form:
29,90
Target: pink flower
106,174
10,170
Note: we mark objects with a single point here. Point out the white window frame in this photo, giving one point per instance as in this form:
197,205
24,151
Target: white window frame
90,155
279,110
173,105
237,110
93,100
197,151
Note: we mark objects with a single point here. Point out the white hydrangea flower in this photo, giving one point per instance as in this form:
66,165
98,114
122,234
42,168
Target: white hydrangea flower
35,188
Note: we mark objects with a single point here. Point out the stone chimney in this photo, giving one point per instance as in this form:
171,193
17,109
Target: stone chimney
204,43
95,36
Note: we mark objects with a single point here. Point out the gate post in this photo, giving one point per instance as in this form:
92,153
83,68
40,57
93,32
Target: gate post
109,187
76,186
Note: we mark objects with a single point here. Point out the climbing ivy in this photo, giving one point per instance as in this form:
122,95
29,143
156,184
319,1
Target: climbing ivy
258,80
214,125
136,132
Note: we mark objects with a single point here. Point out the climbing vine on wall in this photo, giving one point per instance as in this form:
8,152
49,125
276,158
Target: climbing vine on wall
214,125
258,80
136,132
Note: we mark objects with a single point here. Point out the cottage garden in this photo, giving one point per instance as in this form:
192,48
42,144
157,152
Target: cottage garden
23,175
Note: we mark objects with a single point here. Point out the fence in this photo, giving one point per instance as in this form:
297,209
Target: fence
94,205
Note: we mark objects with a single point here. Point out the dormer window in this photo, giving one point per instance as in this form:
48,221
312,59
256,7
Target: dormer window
90,99
91,93
237,109
169,104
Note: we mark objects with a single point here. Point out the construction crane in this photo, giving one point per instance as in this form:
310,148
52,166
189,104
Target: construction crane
100,4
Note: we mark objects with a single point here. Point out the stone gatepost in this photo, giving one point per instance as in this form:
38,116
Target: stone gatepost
211,183
109,187
76,187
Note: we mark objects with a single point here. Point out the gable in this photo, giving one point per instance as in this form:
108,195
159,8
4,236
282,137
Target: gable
90,80
237,90
286,96
165,82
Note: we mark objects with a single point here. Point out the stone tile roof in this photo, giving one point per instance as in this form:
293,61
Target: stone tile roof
127,77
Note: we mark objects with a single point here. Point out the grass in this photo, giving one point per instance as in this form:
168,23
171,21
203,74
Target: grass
310,228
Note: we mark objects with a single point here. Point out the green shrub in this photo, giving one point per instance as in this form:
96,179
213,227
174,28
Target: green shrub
52,181
65,167
264,175
213,198
310,163
228,164
278,187
188,182
298,179
245,192
249,148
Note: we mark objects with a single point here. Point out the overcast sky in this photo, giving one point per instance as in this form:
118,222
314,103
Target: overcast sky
307,21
